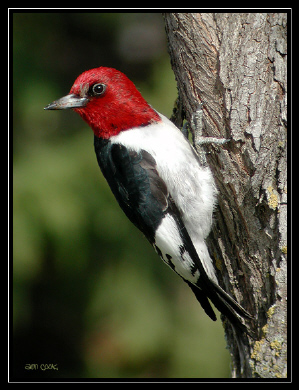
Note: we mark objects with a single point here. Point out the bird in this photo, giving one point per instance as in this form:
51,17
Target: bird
157,179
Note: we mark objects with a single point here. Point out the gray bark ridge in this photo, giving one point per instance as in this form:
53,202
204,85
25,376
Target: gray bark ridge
236,63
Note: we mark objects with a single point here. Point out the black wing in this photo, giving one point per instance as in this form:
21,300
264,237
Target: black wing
135,184
144,198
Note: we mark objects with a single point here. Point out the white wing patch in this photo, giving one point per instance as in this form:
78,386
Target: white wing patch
170,247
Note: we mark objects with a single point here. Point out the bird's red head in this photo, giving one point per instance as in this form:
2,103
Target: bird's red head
108,101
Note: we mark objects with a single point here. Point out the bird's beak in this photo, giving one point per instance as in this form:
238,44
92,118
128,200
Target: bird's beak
68,101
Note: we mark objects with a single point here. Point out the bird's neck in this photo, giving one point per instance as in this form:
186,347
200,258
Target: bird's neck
110,119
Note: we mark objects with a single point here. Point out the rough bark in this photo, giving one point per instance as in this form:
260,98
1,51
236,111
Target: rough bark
236,64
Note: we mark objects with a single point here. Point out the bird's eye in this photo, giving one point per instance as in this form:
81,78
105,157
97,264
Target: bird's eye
97,89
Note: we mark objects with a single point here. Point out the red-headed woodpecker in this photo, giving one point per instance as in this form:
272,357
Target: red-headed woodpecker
156,177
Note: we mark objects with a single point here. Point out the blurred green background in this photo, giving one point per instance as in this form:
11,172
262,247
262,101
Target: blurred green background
90,295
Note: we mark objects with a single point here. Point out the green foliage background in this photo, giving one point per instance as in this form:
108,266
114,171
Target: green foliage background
89,293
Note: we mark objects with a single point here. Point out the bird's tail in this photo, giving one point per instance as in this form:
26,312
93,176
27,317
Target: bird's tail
230,308
229,301
224,303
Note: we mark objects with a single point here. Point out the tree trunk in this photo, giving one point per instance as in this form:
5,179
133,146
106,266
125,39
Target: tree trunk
235,63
